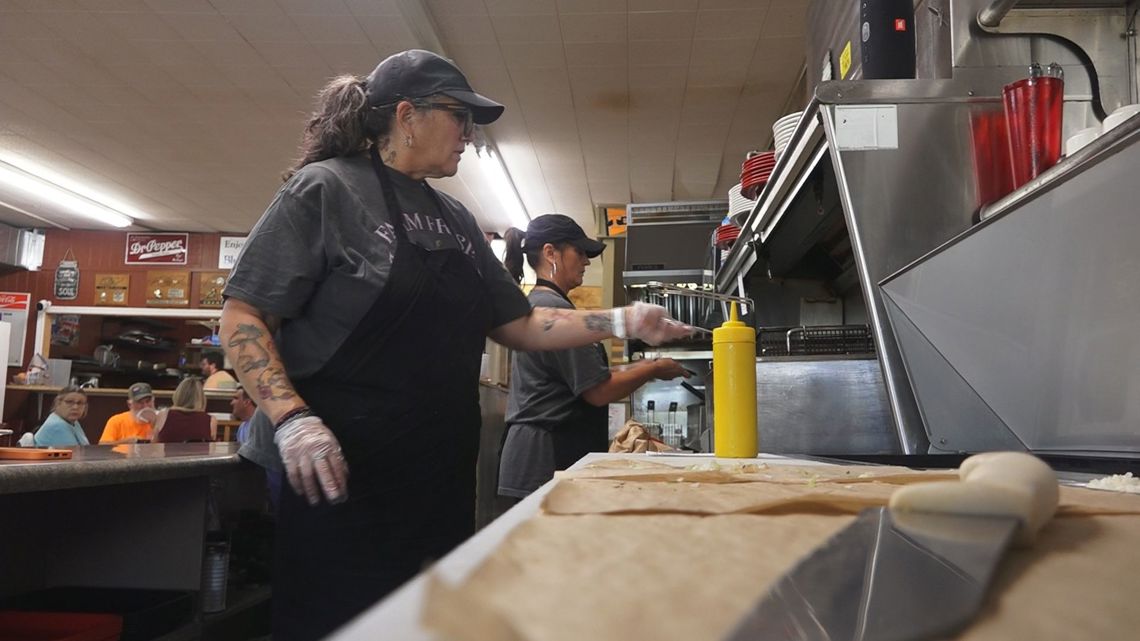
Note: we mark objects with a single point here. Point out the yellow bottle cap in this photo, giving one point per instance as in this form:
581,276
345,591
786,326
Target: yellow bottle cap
733,330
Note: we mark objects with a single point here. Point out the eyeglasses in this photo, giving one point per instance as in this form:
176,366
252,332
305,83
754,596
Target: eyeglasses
463,116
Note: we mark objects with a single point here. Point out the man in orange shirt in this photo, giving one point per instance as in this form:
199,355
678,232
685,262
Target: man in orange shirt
135,424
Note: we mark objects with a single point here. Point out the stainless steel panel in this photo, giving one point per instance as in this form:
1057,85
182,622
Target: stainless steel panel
823,407
1036,310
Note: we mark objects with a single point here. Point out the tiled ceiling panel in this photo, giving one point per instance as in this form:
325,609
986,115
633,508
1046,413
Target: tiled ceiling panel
189,110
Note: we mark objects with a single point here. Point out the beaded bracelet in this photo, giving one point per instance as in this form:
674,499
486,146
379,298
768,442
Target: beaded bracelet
292,414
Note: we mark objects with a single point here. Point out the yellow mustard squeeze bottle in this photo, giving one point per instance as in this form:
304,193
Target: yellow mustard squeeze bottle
734,389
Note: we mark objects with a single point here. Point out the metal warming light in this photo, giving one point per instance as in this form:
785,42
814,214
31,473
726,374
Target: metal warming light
74,197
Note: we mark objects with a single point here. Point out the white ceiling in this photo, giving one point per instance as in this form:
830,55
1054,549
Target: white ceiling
188,110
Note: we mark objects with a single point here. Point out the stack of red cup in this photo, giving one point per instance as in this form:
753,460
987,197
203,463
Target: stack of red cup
754,173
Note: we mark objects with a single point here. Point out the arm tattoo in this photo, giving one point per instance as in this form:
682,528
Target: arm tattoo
551,316
273,385
252,351
599,322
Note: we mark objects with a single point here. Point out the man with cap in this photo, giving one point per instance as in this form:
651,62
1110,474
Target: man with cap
135,424
558,407
356,317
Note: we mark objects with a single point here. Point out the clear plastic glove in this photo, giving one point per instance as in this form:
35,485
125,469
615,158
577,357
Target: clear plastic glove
313,460
652,324
666,369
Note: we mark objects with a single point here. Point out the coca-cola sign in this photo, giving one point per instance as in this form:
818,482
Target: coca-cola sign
157,249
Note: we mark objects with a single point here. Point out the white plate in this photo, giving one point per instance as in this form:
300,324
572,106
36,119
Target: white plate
1120,115
1080,139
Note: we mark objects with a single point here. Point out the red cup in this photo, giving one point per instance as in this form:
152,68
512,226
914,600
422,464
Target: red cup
992,172
1033,117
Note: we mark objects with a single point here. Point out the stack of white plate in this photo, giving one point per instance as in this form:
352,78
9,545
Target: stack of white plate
738,206
783,129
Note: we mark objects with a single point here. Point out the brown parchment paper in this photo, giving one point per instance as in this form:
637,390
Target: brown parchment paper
663,560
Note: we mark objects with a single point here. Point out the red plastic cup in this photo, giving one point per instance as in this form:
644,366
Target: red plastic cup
1033,118
992,173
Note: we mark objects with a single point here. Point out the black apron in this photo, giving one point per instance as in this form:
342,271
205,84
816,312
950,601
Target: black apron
588,429
401,394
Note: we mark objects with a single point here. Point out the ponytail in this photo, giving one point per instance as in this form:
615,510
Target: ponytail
513,258
342,124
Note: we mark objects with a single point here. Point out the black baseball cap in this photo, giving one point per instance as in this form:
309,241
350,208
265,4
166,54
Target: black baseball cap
556,228
416,73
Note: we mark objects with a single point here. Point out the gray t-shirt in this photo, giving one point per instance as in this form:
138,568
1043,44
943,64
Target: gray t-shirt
320,256
545,393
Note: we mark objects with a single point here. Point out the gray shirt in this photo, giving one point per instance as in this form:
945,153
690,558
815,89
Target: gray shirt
545,394
320,256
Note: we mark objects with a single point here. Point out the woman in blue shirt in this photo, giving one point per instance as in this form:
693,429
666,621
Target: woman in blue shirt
62,427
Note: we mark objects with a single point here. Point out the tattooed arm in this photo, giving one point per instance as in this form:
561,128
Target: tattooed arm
548,328
247,335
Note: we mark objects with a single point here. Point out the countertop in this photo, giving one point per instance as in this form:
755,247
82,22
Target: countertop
118,392
92,465
398,615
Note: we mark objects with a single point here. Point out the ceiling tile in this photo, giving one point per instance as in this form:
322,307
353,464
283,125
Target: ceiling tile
23,26
675,76
314,7
357,59
701,139
526,28
288,54
717,76
531,55
663,5
566,7
237,52
389,36
167,52
464,29
265,27
457,7
181,6
664,25
373,7
709,104
596,54
713,5
786,18
475,53
660,52
208,27
610,191
593,27
719,25
139,26
500,7
339,29
231,7
103,6
734,52
44,6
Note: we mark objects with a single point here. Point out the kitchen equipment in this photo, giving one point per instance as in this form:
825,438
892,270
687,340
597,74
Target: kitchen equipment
1033,109
918,569
734,388
105,356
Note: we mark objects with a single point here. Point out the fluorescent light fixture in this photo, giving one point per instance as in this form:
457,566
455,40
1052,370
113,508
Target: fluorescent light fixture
55,189
493,167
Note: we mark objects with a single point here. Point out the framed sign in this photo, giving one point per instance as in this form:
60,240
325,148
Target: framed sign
67,278
65,330
168,289
210,285
228,249
157,249
112,289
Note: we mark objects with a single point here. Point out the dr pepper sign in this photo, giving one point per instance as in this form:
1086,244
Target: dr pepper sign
157,249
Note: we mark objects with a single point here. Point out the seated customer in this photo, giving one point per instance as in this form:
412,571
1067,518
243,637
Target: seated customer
136,423
243,409
187,419
213,364
62,428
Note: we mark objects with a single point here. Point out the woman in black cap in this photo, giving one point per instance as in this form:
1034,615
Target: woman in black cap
356,316
557,410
